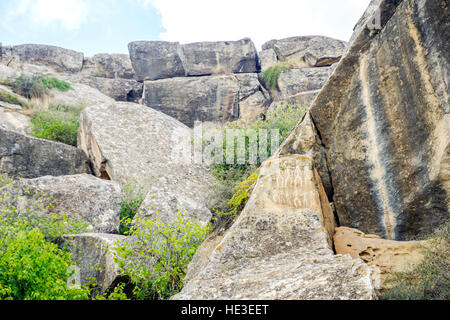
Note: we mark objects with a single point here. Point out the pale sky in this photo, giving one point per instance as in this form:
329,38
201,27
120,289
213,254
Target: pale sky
107,26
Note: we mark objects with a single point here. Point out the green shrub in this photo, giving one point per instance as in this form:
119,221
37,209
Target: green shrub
157,259
241,195
283,119
31,265
37,86
32,268
430,280
133,196
269,77
58,123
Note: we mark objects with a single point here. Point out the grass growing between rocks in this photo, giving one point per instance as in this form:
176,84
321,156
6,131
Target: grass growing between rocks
57,123
12,99
37,86
133,196
229,196
430,280
269,77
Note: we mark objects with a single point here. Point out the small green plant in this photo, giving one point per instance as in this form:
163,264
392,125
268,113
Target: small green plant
430,280
57,123
269,77
241,195
37,86
12,99
133,196
157,258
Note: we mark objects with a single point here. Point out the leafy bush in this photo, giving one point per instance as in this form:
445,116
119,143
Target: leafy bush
37,86
133,196
156,259
269,77
31,266
57,123
430,280
284,119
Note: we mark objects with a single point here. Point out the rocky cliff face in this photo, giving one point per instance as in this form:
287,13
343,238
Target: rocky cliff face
384,120
279,247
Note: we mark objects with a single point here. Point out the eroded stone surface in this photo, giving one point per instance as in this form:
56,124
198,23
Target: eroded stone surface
84,196
27,157
279,246
93,254
154,154
59,59
217,98
384,257
384,120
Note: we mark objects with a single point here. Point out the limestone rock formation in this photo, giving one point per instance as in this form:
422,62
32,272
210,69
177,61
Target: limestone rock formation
153,60
59,59
83,196
113,66
307,142
279,247
116,88
384,257
384,120
221,57
81,95
156,153
11,120
267,58
217,98
309,49
93,254
297,82
27,157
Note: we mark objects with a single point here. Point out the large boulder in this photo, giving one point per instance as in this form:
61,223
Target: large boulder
280,246
310,49
384,120
384,257
59,59
81,95
12,120
219,98
129,143
293,82
153,60
116,88
113,66
93,254
267,58
221,57
27,157
83,196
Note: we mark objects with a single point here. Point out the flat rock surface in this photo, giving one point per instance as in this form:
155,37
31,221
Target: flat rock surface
83,196
132,143
27,157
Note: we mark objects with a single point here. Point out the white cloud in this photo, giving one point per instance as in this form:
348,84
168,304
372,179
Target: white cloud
69,13
261,20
